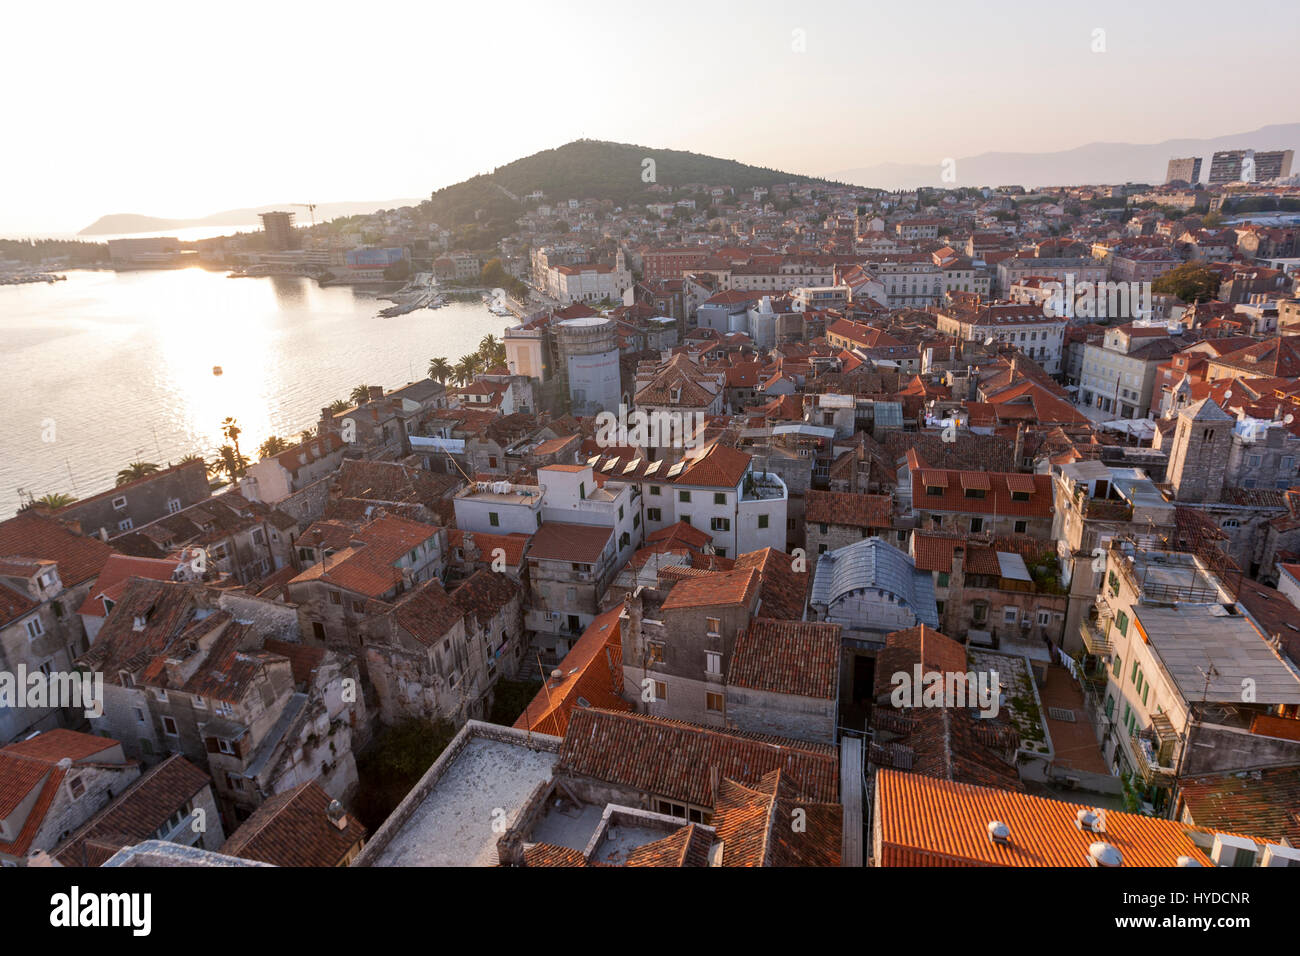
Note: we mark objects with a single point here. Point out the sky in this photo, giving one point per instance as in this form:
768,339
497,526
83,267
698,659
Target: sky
180,110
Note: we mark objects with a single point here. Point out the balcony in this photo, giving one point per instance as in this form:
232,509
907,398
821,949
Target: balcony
1095,638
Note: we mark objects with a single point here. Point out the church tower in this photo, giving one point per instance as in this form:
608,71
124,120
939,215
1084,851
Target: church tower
1198,457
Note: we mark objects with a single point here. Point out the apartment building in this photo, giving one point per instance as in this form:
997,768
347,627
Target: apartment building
1118,375
1038,335
46,574
1191,685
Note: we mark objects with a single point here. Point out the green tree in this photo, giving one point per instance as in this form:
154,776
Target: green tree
1190,282
229,461
55,501
360,395
340,405
440,369
231,430
272,446
136,469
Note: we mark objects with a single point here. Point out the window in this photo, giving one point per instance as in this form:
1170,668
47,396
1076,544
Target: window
1010,615
683,496
582,490
1116,666
1121,623
34,628
161,694
170,728
976,525
720,524
124,525
762,521
173,505
620,512
76,787
1044,618
974,492
979,612
934,491
335,597
713,625
1021,527
713,703
942,579
139,715
225,746
654,489
257,536
685,519
119,502
660,690
719,498
358,607
653,514
494,519
712,663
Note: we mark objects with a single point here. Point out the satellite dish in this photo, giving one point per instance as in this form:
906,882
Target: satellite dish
989,340
1227,394
1289,419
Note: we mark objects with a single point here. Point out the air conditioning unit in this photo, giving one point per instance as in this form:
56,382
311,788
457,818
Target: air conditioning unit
1233,851
1280,856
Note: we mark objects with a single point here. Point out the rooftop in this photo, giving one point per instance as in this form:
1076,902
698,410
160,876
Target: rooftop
450,818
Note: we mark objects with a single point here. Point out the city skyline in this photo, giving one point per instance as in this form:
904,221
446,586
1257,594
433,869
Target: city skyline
756,91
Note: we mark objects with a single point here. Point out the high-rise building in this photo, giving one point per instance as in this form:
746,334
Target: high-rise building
1275,164
1184,170
1237,165
279,230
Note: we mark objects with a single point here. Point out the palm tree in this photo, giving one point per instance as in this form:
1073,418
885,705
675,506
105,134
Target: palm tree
231,462
487,345
360,395
136,469
468,366
272,446
55,501
440,370
307,434
340,405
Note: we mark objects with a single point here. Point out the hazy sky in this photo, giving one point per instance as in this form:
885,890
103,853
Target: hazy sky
184,109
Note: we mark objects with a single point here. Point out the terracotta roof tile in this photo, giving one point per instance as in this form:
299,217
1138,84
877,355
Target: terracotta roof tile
673,759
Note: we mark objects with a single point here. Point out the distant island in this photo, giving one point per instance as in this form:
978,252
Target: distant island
125,222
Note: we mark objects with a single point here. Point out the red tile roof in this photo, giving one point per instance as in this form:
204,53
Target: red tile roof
577,543
788,657
925,821
293,829
673,759
592,672
721,466
997,501
848,508
714,589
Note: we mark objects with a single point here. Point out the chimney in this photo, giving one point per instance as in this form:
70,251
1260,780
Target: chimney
1018,453
336,815
376,393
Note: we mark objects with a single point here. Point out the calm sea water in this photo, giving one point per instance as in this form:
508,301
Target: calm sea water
108,368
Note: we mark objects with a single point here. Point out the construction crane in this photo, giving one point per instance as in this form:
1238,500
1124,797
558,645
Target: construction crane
310,207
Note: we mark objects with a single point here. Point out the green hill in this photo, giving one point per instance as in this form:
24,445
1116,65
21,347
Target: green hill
586,169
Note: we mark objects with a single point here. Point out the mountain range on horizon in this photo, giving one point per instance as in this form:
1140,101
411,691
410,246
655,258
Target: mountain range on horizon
119,223
1090,164
602,170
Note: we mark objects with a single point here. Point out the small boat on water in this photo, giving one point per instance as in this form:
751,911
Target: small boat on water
216,370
